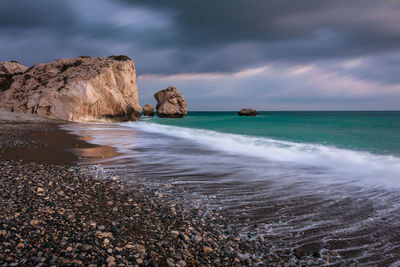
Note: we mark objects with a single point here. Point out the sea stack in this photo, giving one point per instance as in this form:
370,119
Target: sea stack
74,89
247,112
170,103
148,110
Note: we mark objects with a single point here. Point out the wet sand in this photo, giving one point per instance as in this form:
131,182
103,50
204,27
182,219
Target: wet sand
29,139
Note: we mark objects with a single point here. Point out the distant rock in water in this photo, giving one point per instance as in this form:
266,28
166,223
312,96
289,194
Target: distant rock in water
247,112
148,110
170,103
76,89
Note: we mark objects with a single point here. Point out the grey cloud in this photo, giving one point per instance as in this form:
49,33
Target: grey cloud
27,14
235,34
175,36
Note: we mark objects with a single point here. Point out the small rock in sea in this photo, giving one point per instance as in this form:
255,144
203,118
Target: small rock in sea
139,261
170,103
101,227
148,110
247,112
106,241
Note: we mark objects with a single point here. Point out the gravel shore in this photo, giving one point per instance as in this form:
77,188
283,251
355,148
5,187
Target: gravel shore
59,213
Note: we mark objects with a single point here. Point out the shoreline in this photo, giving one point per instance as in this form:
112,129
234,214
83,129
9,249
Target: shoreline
59,212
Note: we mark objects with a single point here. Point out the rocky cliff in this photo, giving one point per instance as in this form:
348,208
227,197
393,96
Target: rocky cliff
77,89
170,103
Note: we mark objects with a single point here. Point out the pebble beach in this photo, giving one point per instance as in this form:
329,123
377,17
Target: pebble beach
57,211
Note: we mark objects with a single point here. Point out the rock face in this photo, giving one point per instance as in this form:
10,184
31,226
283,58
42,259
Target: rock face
148,110
7,71
77,89
170,103
247,112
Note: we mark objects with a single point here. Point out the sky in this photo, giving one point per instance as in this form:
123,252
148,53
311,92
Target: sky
225,54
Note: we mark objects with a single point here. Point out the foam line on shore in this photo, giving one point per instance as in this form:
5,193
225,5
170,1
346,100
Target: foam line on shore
380,169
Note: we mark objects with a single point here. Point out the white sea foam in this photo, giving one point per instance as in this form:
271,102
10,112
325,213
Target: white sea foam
363,166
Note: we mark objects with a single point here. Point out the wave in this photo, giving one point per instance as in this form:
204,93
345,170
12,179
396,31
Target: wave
352,164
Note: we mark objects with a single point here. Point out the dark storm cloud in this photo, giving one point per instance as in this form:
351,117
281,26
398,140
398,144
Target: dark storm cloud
174,36
28,14
341,27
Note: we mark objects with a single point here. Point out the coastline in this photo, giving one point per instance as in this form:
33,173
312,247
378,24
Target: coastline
57,210
284,209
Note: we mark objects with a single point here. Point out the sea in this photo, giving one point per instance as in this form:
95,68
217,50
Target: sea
319,182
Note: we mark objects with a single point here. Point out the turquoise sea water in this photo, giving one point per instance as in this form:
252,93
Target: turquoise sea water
371,131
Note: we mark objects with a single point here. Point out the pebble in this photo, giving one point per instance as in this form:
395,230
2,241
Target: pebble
181,263
207,249
39,190
34,222
197,238
334,253
174,234
86,247
110,259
